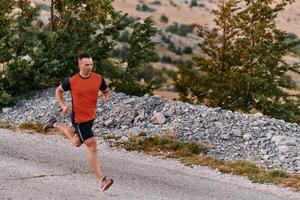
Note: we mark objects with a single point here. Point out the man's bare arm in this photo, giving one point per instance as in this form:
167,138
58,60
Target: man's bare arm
60,99
105,94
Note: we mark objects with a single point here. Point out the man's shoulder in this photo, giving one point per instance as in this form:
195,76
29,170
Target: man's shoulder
98,76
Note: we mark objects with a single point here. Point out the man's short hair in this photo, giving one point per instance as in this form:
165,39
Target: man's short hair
84,55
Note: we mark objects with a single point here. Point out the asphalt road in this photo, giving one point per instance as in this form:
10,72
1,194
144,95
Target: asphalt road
35,166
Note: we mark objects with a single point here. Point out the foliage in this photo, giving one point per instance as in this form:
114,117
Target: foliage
38,55
141,51
164,19
173,48
243,66
124,37
188,50
5,32
144,8
182,29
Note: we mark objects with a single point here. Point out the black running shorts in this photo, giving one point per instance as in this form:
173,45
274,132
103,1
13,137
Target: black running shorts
84,129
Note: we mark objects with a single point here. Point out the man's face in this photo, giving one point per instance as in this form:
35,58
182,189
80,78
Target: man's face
86,65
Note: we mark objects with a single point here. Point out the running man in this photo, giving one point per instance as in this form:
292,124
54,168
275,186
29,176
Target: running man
84,88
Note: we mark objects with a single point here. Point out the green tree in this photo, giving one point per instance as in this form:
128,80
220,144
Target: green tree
20,43
91,26
243,66
141,51
39,56
6,7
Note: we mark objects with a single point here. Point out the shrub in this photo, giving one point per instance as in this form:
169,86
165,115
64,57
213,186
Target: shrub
144,8
124,36
188,50
181,30
164,19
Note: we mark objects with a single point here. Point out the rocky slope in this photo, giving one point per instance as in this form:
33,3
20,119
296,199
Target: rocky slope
271,143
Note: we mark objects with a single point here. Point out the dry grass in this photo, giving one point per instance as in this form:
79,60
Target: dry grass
35,126
159,145
195,154
29,127
7,125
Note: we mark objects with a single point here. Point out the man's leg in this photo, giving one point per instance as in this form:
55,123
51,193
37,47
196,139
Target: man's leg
69,132
93,159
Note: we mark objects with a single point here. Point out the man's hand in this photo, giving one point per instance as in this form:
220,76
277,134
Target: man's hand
66,109
105,95
60,99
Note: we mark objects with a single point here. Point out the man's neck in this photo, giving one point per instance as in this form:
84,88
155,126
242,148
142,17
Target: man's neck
84,75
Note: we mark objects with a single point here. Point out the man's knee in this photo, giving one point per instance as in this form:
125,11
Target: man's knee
76,141
91,144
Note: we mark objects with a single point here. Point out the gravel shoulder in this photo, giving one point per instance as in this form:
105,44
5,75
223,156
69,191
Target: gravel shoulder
35,166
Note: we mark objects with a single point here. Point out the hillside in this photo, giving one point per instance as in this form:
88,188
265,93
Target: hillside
288,20
179,11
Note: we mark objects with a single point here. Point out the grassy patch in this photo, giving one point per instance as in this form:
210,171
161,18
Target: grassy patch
30,126
194,154
164,145
36,126
111,137
6,125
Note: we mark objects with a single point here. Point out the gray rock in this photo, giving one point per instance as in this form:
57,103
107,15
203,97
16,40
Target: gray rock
266,157
231,135
269,135
283,149
124,138
108,122
277,139
247,137
159,118
6,110
225,136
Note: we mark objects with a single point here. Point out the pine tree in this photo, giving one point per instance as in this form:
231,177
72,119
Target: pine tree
141,51
243,66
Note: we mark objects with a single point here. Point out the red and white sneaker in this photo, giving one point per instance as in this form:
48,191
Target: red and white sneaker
106,183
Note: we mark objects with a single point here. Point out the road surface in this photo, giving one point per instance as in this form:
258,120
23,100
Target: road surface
35,166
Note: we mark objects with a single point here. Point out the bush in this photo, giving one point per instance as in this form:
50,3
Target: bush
124,36
188,50
166,39
20,77
293,38
173,48
164,19
166,59
150,74
132,88
156,2
120,52
5,97
181,30
193,3
129,20
144,8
